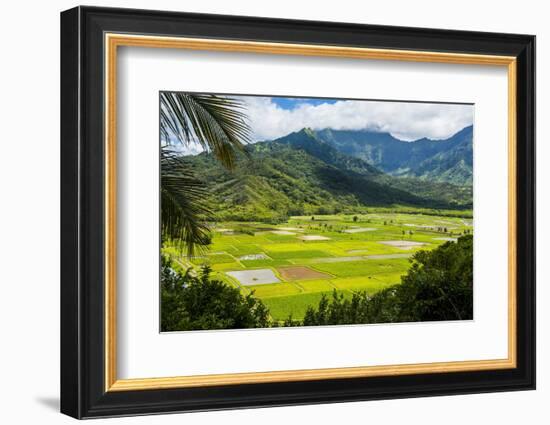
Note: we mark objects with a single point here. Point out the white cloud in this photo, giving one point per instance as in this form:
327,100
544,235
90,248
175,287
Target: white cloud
405,121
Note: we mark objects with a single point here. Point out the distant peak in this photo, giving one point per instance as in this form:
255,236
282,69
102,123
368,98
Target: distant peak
307,130
467,129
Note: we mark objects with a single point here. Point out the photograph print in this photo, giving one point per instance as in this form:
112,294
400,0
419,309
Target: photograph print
301,211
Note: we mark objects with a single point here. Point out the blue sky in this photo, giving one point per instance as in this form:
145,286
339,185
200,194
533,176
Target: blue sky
273,117
290,103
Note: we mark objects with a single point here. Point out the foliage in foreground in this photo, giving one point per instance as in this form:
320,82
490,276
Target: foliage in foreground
219,125
184,213
192,302
438,286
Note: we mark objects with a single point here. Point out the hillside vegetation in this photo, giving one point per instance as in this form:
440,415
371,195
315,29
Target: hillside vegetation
448,160
302,174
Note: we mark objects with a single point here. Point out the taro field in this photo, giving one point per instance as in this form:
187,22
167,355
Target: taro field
290,266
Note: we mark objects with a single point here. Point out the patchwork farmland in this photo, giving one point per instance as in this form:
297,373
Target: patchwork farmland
290,266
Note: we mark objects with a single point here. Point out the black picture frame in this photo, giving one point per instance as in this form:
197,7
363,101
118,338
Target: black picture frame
83,392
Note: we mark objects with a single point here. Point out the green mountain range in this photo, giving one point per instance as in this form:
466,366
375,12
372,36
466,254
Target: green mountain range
304,173
448,160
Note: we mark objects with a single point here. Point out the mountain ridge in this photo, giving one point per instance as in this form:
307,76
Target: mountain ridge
301,174
448,160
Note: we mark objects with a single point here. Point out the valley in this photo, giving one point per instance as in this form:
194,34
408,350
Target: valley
321,221
290,265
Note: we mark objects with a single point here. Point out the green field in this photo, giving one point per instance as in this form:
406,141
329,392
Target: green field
366,254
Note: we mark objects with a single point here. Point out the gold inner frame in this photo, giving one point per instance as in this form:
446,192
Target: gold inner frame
113,41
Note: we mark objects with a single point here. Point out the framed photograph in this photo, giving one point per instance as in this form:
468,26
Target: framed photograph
261,212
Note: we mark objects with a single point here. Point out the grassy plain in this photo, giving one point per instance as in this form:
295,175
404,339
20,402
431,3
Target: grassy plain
352,259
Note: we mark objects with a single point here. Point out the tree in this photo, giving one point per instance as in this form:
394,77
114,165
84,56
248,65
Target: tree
217,124
355,218
439,285
191,302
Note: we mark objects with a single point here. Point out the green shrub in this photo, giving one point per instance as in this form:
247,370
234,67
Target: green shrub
190,302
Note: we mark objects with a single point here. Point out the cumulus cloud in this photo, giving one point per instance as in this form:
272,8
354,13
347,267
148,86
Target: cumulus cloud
404,120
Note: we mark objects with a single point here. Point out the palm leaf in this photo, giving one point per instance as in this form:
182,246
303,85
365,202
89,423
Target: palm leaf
184,212
218,124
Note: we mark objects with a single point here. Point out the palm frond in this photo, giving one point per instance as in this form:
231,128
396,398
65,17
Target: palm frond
217,123
184,212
